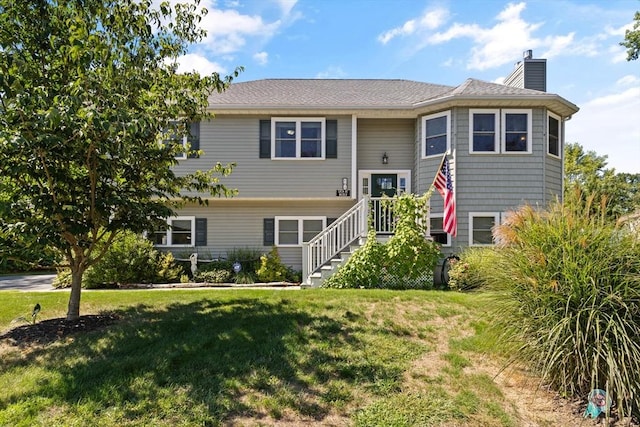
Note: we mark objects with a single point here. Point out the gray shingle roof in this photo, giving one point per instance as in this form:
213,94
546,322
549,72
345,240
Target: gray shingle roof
366,94
329,93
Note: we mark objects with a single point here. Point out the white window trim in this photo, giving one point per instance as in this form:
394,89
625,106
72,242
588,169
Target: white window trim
503,130
300,220
440,215
472,215
298,121
559,119
496,137
169,233
446,114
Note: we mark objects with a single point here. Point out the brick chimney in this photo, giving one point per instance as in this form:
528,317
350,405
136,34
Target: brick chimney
529,73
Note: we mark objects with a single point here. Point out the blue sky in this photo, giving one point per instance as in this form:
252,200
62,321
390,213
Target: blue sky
443,42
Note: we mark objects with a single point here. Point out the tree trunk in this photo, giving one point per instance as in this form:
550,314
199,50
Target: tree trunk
73,310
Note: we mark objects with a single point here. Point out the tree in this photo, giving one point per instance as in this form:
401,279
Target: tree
88,92
587,171
632,39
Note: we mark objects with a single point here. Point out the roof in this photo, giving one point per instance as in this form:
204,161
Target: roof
374,94
328,93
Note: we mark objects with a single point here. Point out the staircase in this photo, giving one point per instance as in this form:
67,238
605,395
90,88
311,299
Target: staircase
333,246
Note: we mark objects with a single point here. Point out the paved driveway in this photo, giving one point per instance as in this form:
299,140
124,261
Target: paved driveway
34,282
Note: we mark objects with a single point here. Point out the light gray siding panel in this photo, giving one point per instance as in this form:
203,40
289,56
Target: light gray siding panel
239,224
553,179
392,136
493,182
228,139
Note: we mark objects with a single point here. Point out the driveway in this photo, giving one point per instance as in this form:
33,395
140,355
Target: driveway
32,282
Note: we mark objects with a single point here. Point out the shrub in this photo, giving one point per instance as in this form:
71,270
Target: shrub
130,259
249,258
473,269
213,276
271,268
364,269
406,261
571,284
244,278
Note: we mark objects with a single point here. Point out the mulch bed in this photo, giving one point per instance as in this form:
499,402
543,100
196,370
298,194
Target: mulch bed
51,330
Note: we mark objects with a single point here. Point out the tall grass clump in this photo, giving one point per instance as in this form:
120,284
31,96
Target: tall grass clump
571,283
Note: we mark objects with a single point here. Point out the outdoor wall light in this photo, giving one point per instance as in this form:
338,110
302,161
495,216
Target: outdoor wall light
345,184
385,159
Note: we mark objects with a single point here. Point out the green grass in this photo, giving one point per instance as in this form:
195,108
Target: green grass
252,357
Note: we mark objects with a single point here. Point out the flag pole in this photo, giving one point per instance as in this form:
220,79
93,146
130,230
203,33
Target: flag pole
438,170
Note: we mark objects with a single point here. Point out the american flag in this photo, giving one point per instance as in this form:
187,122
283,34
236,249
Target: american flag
443,184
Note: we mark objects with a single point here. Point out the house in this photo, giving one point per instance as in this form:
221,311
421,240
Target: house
307,151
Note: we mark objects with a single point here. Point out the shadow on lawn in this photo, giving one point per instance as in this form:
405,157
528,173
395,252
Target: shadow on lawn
206,362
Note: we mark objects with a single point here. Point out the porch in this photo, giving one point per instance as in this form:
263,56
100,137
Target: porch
330,248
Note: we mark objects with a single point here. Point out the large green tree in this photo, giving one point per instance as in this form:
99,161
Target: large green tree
88,92
588,172
632,39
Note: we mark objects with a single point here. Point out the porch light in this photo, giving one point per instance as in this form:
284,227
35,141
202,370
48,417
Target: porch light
385,159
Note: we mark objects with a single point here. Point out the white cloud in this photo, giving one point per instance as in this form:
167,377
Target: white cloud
609,126
194,62
286,6
332,72
430,20
229,30
492,46
261,58
628,80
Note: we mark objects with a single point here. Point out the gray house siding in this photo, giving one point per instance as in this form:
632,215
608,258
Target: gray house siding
228,139
392,136
491,182
240,224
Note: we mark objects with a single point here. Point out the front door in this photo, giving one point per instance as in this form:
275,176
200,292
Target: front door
383,185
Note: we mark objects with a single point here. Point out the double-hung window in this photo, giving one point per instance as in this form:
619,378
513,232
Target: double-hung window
436,133
180,232
505,131
483,130
437,230
186,144
298,138
554,140
481,228
294,231
516,134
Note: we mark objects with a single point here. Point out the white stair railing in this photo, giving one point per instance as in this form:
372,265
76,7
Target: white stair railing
335,238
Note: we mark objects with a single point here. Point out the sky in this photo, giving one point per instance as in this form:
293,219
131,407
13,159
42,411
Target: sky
443,42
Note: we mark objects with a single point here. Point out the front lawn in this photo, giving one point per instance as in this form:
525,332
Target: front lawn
266,357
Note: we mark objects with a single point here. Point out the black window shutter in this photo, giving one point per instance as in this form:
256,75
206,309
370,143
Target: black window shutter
269,230
201,231
331,149
194,139
265,139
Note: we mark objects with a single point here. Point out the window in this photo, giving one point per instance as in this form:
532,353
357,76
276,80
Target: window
483,131
298,138
516,136
436,134
437,231
553,135
181,232
511,127
480,228
293,231
190,142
